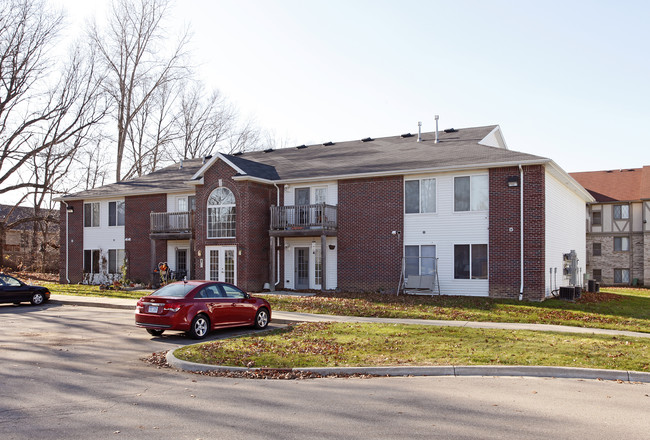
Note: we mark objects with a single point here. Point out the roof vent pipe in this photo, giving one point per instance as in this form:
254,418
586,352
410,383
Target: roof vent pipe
419,131
180,167
436,141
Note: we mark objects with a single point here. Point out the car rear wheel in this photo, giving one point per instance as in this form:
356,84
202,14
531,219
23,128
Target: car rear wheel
37,298
262,318
155,331
199,327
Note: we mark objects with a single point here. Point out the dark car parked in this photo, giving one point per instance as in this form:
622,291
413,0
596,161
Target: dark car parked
12,290
197,307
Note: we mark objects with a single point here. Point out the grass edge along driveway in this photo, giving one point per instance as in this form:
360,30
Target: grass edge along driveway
613,308
362,344
617,309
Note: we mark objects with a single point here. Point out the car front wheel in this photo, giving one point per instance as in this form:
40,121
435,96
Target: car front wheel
262,318
199,327
37,298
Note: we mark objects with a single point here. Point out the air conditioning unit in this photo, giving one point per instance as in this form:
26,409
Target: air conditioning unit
568,293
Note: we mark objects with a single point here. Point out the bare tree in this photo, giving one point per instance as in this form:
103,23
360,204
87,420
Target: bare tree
42,122
152,132
130,47
207,125
27,32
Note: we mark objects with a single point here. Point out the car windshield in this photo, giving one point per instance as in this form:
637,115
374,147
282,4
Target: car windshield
174,290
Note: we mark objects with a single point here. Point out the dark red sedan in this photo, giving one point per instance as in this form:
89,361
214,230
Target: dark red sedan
197,307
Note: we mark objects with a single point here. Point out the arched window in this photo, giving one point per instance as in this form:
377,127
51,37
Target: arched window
221,214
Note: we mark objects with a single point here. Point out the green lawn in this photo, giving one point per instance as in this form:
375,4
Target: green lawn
620,309
613,308
86,290
354,344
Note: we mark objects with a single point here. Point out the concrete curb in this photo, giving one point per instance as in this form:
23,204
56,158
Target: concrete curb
455,371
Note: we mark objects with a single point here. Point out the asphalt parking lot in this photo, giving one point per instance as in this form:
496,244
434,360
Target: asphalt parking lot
76,373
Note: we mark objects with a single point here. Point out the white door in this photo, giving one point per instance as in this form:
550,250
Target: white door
221,263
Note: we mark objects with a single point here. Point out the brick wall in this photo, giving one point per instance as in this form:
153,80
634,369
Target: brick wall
504,258
75,242
137,227
369,256
253,202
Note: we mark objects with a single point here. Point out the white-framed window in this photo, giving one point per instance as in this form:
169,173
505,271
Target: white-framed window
471,193
320,194
91,215
471,261
91,260
622,276
221,214
621,212
115,260
116,213
419,196
621,244
420,259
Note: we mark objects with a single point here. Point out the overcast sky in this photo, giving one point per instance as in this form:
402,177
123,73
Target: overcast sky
568,80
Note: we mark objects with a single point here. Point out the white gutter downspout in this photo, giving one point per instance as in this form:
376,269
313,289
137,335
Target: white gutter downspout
67,241
277,242
521,227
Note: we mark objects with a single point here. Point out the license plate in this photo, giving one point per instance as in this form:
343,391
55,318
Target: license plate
153,309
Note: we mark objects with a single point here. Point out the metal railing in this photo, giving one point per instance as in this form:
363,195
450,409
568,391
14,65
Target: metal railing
172,222
318,216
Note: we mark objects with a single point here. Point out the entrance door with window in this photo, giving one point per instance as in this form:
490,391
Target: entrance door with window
302,205
301,267
181,263
221,264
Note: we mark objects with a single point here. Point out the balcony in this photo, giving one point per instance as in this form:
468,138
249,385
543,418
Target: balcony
303,220
172,225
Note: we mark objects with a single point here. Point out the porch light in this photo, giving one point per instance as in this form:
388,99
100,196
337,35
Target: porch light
70,209
513,181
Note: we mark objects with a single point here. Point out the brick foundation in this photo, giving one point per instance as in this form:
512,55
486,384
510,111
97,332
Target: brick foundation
504,258
369,256
75,242
253,201
136,227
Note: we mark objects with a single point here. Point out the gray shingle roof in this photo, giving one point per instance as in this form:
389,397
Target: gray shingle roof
166,180
458,149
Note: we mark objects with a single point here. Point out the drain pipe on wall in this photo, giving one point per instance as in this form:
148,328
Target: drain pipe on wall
67,241
277,239
521,232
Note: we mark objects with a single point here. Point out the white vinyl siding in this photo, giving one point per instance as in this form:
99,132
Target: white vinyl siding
565,229
446,228
289,255
177,201
331,189
103,238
